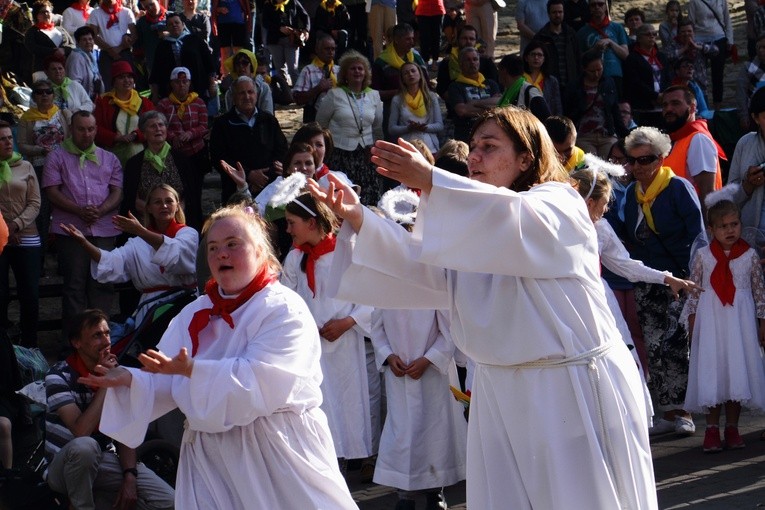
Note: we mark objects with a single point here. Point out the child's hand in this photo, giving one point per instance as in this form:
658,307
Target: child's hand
335,328
397,366
417,367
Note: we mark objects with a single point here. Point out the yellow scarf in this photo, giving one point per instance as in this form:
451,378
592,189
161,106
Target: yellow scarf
645,199
321,65
279,6
183,104
34,114
454,63
131,106
476,83
329,9
538,83
416,104
390,57
229,62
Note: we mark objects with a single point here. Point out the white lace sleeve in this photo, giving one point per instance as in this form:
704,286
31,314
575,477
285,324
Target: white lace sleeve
697,273
758,286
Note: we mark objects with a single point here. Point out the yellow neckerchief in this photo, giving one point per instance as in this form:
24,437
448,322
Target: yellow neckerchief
575,161
6,174
34,114
321,65
416,104
329,9
229,63
538,83
267,78
63,89
183,104
390,57
454,63
157,160
645,199
129,106
476,83
279,6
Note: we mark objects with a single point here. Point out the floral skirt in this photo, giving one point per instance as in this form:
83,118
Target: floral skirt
357,166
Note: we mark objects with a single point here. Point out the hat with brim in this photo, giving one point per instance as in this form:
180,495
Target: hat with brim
121,67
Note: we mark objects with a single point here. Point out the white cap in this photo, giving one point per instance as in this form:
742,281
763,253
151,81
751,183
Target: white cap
178,70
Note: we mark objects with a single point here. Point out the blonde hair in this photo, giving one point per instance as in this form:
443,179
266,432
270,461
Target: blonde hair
422,85
351,57
591,184
148,219
255,225
424,150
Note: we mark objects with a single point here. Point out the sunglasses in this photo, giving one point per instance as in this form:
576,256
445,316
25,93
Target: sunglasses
641,160
46,92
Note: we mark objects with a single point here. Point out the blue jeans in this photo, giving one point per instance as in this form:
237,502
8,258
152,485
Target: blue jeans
25,263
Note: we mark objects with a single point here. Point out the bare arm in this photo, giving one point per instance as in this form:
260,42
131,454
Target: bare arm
112,201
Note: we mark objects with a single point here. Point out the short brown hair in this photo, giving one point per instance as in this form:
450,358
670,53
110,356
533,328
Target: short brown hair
85,319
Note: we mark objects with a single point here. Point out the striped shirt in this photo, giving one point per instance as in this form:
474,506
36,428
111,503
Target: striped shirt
194,121
62,388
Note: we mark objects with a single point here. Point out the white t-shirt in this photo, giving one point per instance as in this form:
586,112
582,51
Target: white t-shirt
111,36
702,155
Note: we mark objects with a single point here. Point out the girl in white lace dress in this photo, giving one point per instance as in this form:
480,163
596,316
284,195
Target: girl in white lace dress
726,362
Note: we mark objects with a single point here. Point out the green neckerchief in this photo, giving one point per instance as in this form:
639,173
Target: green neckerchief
87,154
63,89
512,92
355,94
5,167
157,160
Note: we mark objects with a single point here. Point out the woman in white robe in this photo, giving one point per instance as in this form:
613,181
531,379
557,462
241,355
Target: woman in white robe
246,374
160,260
556,413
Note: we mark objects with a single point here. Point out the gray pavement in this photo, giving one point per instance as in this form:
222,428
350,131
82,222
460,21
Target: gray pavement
685,476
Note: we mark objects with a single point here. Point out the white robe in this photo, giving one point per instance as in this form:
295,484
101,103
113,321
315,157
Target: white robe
423,441
522,284
343,362
172,265
256,438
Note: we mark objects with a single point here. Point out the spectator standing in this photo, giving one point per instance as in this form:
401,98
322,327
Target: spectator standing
685,45
43,38
331,18
230,19
20,205
150,29
317,77
647,71
115,35
668,28
481,15
381,18
198,22
76,16
662,218
430,15
117,114
470,94
577,13
84,185
633,19
604,35
82,63
358,29
750,79
353,113
186,132
530,17
711,20
82,462
562,46
286,26
68,94
695,154
248,136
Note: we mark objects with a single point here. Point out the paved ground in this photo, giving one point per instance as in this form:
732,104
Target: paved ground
685,476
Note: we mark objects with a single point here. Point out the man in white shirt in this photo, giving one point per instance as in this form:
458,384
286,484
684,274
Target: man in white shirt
115,35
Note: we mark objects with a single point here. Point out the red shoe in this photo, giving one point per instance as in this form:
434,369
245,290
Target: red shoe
733,439
712,443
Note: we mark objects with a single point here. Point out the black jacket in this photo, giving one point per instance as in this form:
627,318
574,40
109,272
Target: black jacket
576,105
638,80
195,54
571,56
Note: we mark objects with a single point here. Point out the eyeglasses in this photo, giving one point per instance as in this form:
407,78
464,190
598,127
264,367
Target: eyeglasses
45,92
641,160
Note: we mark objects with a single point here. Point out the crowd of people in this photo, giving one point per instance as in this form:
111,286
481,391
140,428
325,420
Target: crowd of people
583,193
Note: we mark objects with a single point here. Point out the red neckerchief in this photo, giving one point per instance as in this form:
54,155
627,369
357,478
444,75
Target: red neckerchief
321,172
170,232
160,16
722,277
82,8
224,307
697,126
326,245
75,361
652,54
113,18
678,81
418,191
601,27
45,26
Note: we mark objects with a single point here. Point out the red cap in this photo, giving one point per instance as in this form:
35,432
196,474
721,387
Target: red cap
121,67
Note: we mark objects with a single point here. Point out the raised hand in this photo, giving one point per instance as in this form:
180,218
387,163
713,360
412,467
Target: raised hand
106,377
341,199
236,174
157,363
129,223
73,231
402,162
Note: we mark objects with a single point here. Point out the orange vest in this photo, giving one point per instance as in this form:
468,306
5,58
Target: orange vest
678,161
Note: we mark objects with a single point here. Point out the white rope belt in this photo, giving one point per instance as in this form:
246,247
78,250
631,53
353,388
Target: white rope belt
588,358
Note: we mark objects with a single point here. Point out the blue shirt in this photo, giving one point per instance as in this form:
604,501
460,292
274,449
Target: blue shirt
588,36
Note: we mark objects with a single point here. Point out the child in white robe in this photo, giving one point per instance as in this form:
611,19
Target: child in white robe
341,325
246,374
727,325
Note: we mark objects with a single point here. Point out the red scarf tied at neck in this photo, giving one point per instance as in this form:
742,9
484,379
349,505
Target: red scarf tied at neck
78,365
160,16
697,126
77,6
321,172
172,230
326,245
722,277
224,307
113,14
601,27
45,26
651,55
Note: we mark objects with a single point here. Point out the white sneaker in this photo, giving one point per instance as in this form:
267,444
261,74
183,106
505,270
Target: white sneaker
684,426
662,426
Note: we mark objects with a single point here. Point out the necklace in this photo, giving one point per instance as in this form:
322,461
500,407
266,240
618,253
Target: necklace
359,106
